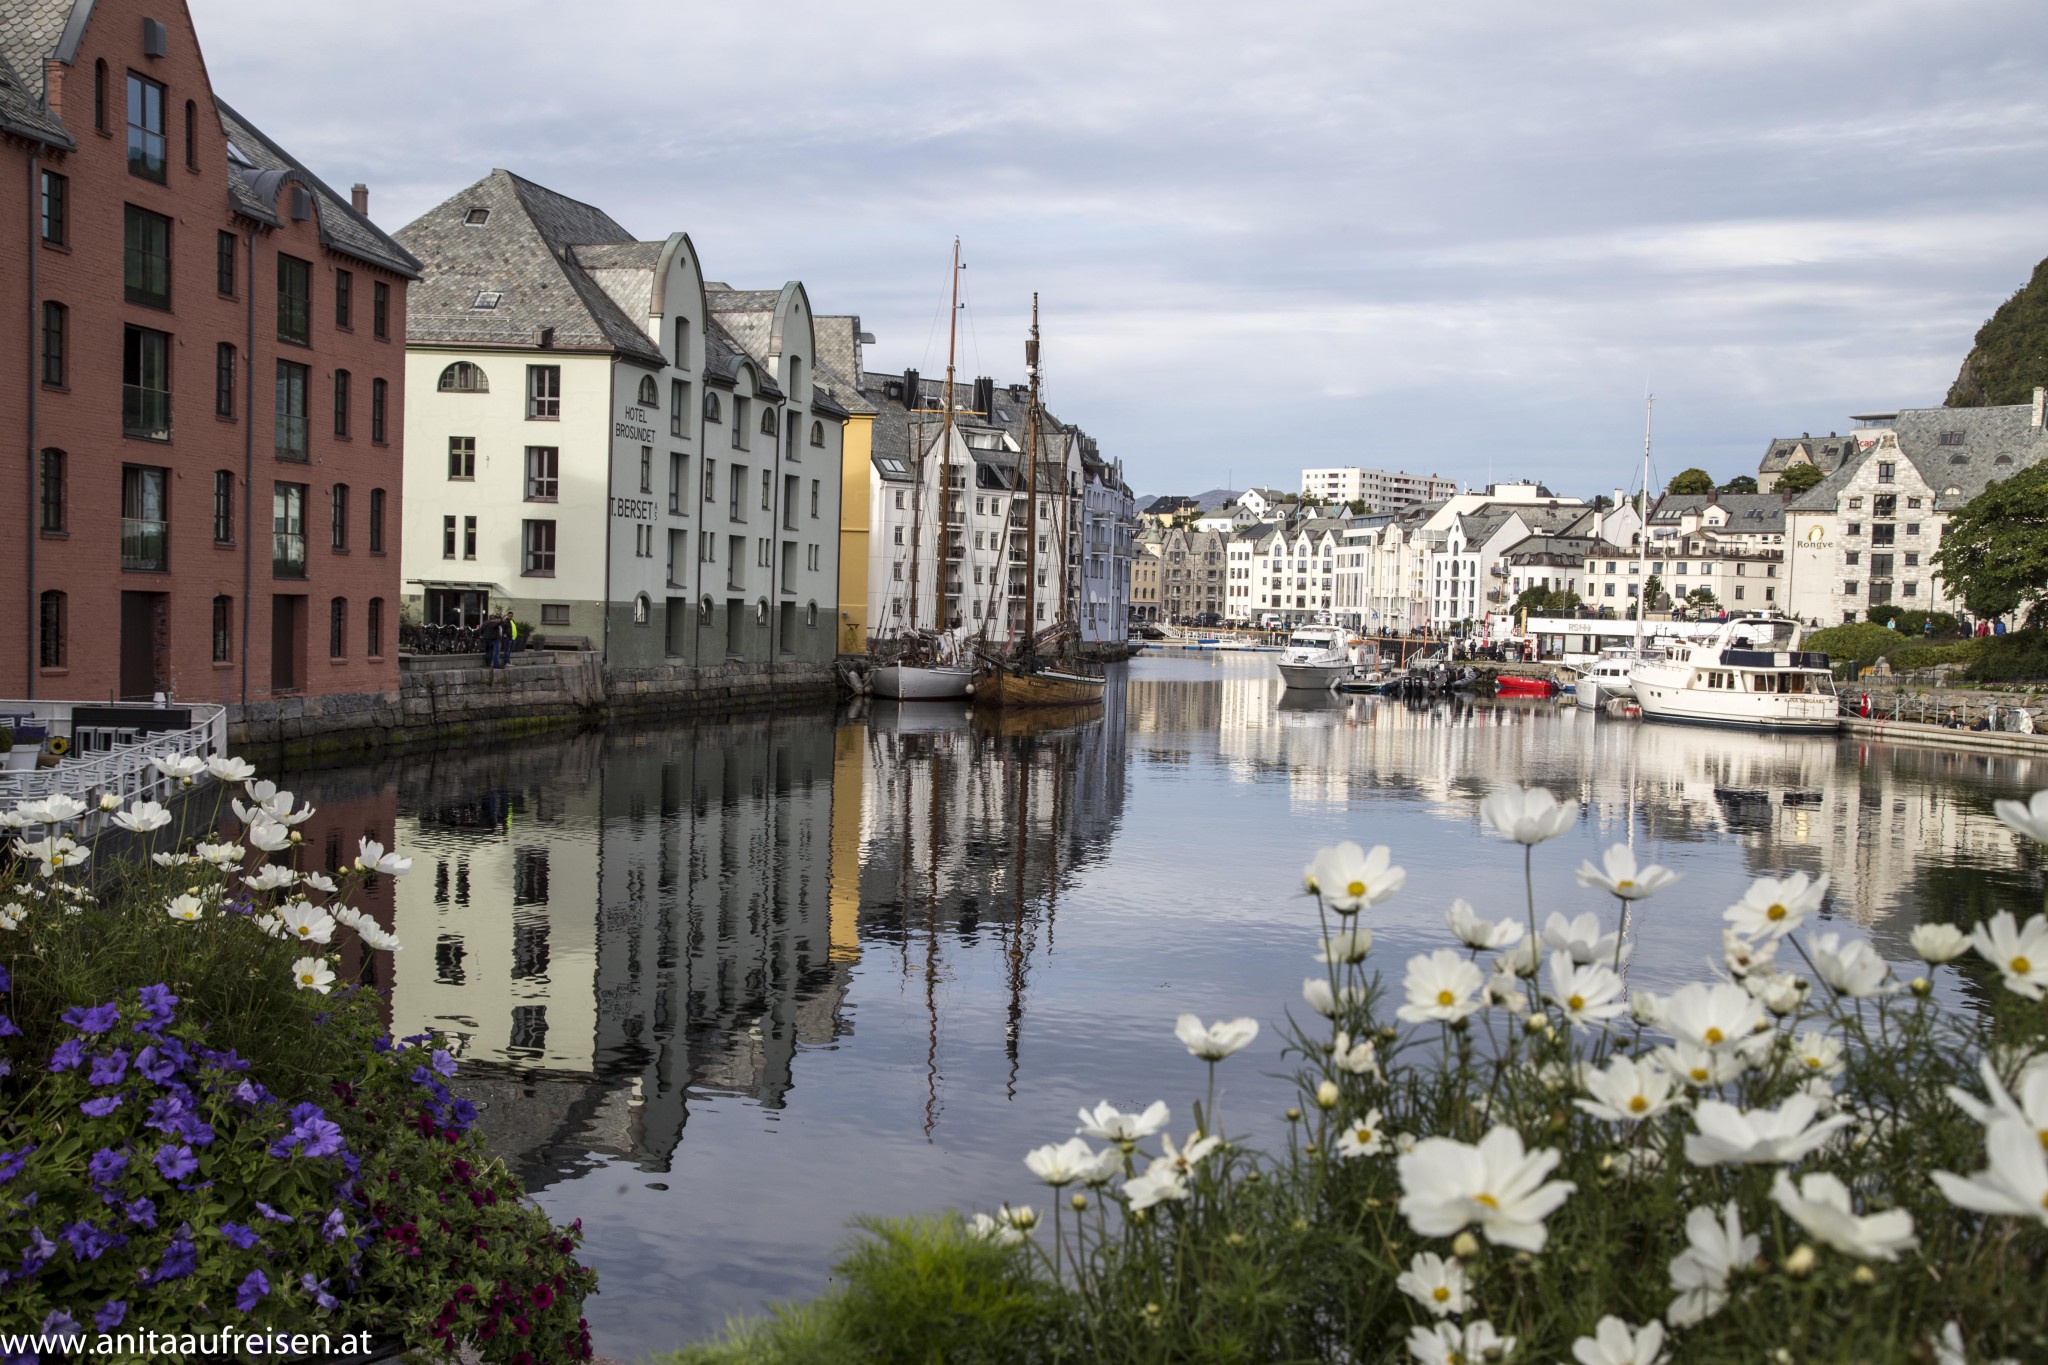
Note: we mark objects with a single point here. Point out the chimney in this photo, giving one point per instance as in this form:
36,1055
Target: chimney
2040,402
359,198
913,396
985,398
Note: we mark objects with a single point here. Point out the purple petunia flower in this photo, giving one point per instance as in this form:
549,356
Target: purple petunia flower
89,1242
157,1004
241,1236
98,1019
461,1114
175,1163
165,1113
69,1053
442,1062
331,1227
251,1093
195,1130
101,1107
12,1162
109,1069
141,1212
415,1039
181,1258
59,1322
153,1064
6,981
40,1250
111,1314
252,1291
272,1214
8,1028
106,1165
318,1289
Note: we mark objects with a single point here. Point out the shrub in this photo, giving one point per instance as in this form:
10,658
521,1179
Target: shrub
1913,621
194,1116
2020,656
1865,642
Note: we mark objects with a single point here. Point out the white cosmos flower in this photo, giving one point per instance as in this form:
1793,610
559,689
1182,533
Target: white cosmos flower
1061,1163
1715,1249
1362,1137
377,940
313,974
1435,1282
54,853
1359,1059
259,790
279,808
1349,879
1218,1040
1347,945
56,809
1937,943
1185,1159
271,877
267,835
1818,1053
2029,818
1618,875
319,881
222,856
1441,986
1587,994
1162,1180
373,858
1316,991
1776,905
186,907
1948,1348
2029,1107
1528,816
2020,952
1475,932
12,914
1449,1344
1448,1185
142,817
1820,1204
1504,990
1744,954
1759,1137
1714,1014
172,859
1645,1007
1113,1125
1852,967
1580,936
2015,1180
986,1229
350,917
1779,992
1614,1342
1521,959
180,766
231,769
1628,1090
306,922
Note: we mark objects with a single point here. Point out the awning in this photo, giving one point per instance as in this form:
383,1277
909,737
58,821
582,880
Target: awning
454,586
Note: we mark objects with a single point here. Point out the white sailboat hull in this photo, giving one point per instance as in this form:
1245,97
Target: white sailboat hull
911,682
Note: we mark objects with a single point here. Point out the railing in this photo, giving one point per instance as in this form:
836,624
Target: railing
145,544
115,759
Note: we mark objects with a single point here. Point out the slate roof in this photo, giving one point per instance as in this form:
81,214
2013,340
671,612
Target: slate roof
342,229
1748,513
1550,549
1981,438
530,252
837,337
1825,453
28,33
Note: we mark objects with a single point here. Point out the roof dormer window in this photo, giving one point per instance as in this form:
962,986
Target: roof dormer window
476,218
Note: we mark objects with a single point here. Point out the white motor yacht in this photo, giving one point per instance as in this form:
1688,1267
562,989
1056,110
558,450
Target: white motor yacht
1314,658
1750,673
1608,676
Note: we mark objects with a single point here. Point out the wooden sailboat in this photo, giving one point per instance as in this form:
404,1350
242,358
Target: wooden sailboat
1022,676
926,667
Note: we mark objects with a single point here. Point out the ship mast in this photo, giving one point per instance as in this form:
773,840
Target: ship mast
1031,487
1643,538
916,511
946,447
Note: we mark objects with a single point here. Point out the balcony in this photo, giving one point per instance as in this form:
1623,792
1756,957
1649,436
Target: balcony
146,544
287,554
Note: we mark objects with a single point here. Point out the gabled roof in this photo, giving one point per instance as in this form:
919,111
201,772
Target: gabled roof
1824,453
837,337
530,251
342,229
1552,549
1748,513
28,33
1960,449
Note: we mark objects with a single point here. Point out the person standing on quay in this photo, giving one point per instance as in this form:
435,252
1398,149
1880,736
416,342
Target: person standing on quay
494,635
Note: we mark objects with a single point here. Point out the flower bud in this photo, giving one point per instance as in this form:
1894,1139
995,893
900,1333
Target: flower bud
1465,1246
1800,1263
1921,987
109,801
298,838
1326,1095
1864,1276
1079,1203
1293,1114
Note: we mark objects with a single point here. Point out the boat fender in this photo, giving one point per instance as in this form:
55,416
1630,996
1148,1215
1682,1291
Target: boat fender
970,689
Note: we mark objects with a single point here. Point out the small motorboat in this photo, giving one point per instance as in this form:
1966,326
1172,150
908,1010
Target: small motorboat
1517,685
1315,659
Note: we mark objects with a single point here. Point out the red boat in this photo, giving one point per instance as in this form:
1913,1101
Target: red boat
1515,685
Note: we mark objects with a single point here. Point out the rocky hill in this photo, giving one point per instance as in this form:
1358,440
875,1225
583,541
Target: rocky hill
2010,356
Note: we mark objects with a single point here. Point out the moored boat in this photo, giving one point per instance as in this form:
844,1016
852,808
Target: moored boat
1607,677
1750,673
1516,685
1004,686
921,682
1314,658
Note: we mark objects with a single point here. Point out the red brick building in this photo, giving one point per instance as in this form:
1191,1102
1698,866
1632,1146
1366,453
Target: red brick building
202,383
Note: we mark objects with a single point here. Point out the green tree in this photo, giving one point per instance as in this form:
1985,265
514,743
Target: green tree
1798,479
1995,551
1691,481
1654,596
2010,354
1741,483
1700,601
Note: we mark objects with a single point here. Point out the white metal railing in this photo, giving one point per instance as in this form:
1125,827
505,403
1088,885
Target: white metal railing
124,768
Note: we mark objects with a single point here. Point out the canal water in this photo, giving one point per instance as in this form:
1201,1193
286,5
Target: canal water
720,987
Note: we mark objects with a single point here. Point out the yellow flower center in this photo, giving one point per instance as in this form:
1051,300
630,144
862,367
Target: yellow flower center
1577,1002
2022,965
306,978
1487,1200
1699,1075
1364,1135
1354,888
1813,1062
1625,885
2043,1135
1714,1035
1442,1293
1776,912
1446,998
1637,1104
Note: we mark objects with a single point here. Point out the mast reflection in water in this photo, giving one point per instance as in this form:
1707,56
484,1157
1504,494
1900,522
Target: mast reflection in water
720,986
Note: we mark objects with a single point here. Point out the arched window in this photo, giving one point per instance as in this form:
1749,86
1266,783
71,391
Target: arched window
711,408
704,613
761,612
337,628
811,614
650,394
818,433
51,644
642,609
463,377
682,343
767,421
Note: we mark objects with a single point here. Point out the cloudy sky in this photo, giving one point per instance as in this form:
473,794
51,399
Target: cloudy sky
1459,237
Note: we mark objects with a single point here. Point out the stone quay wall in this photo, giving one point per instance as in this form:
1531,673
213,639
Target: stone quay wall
444,697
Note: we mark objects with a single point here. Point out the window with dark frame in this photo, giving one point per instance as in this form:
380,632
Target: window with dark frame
223,629
337,628
146,384
145,128
543,473
373,635
469,537
448,537
294,300
288,530
678,405
290,443
678,480
464,377
224,272
50,642
225,365
145,518
99,96
56,321
344,298
223,507
380,308
339,528
54,491
379,392
646,469
146,258
539,549
56,209
191,136
376,521
543,393
341,378
739,422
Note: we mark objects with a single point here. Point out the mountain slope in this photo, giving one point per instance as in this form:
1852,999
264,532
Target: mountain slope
2010,356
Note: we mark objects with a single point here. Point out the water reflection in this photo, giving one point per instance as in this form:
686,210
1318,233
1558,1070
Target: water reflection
721,986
